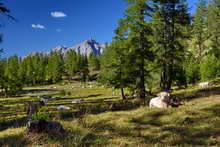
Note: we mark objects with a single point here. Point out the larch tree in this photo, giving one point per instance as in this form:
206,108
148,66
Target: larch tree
138,32
213,25
55,67
171,21
200,28
116,63
71,66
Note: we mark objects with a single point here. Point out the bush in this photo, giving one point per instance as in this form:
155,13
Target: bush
40,116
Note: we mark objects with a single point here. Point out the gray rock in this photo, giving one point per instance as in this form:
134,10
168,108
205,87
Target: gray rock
62,107
85,48
77,101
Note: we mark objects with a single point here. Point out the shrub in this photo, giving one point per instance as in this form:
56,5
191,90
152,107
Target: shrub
40,116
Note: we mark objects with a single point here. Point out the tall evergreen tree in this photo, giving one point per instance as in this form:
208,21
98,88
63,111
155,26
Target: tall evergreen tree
171,21
84,70
200,27
71,66
138,31
55,67
94,62
116,69
213,26
12,81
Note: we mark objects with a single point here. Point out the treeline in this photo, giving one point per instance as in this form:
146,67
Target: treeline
158,44
41,68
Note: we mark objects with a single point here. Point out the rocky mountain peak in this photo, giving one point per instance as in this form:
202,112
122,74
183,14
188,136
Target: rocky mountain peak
87,47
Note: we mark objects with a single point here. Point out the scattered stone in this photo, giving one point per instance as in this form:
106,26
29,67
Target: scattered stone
77,101
55,98
44,100
62,107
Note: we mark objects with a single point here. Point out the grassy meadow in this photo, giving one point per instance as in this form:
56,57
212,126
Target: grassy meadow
195,123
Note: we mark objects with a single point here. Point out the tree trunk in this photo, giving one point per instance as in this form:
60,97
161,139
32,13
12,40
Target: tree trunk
141,68
122,94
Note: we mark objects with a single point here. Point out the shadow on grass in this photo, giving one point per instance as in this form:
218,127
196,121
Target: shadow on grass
120,131
215,110
26,91
12,123
13,141
199,93
153,121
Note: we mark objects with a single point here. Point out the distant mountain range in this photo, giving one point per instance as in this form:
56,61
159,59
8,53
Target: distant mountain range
87,47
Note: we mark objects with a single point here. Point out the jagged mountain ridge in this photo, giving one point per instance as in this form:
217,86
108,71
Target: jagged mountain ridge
85,48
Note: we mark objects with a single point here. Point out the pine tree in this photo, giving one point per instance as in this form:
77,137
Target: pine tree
116,69
71,63
5,12
200,27
171,21
137,30
55,67
213,25
94,62
13,83
84,68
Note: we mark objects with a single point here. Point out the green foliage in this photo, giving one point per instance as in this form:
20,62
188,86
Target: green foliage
115,70
84,68
171,22
94,62
32,69
213,27
11,83
209,67
130,50
55,67
192,68
40,116
200,32
71,65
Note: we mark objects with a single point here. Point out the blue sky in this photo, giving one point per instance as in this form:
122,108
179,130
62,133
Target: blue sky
45,24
